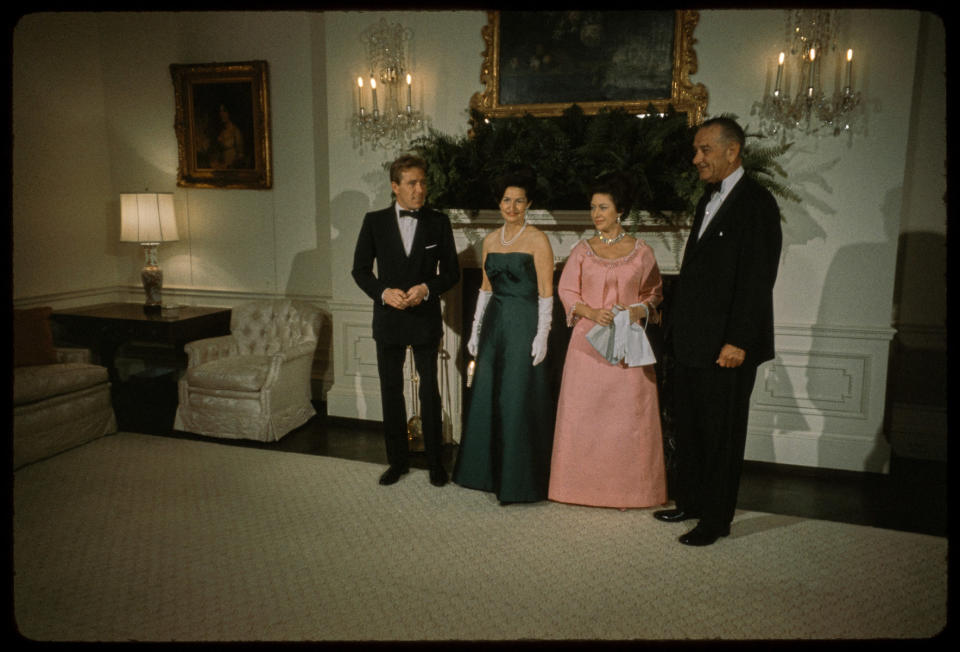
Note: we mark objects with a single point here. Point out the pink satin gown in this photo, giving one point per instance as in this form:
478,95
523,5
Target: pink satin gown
607,447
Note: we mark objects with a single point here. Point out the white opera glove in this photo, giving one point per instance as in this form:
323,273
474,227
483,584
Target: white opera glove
483,297
544,320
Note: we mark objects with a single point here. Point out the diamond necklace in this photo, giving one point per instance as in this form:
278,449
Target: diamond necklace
503,233
610,241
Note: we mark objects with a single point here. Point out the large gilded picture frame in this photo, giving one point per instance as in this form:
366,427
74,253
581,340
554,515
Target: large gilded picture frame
541,62
223,125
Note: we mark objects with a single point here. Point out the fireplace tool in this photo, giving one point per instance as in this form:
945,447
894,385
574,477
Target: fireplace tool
414,423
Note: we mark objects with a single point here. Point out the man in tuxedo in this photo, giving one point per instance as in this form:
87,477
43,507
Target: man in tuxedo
719,327
416,262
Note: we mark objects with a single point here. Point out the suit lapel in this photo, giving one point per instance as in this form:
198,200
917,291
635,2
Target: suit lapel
692,240
392,229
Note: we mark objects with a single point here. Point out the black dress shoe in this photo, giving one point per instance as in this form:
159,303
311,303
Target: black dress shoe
701,536
673,515
438,476
392,474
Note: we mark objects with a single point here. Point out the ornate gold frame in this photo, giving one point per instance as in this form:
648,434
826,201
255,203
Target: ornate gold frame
685,97
195,89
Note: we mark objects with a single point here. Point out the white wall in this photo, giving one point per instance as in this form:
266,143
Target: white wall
112,71
65,229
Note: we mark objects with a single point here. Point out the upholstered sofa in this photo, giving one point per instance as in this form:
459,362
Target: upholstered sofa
255,382
60,399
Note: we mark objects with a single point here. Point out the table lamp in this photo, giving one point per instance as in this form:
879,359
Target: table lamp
148,218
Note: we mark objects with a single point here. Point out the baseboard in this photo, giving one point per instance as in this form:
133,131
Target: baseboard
818,449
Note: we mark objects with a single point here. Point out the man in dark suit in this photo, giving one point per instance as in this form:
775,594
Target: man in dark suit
719,327
416,262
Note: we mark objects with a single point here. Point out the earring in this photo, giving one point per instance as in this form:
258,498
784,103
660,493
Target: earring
618,218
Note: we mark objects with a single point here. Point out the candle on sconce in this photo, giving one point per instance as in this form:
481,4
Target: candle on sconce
779,73
849,65
409,101
373,89
360,93
813,56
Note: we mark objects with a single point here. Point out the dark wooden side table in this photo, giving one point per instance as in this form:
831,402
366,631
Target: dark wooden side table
106,327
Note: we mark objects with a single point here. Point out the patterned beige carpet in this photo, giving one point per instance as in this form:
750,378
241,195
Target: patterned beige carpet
134,537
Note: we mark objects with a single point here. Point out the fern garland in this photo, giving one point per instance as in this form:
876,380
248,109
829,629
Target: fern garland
570,151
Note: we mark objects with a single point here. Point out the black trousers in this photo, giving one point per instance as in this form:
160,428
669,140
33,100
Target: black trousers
712,407
390,361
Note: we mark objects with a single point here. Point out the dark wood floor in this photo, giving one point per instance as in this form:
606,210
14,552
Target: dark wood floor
912,497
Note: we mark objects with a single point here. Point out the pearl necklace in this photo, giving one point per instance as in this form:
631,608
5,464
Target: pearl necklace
503,234
610,241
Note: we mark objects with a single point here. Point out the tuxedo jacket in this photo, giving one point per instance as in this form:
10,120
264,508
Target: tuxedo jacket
724,294
432,260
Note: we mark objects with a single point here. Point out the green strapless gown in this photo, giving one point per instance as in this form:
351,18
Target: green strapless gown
508,439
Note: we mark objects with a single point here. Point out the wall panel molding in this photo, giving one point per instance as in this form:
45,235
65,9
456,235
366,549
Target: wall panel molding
821,401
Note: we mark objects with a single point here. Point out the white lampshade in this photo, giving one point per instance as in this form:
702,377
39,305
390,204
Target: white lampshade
147,217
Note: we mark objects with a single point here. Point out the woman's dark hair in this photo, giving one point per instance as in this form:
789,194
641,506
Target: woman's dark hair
620,189
518,178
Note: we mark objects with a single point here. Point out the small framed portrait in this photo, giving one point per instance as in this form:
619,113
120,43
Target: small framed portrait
223,125
541,62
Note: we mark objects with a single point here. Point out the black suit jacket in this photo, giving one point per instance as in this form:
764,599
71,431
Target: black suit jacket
432,260
724,294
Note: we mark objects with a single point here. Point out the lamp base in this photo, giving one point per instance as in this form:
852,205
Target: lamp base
152,277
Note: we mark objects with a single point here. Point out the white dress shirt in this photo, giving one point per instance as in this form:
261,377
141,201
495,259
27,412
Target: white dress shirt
713,205
408,227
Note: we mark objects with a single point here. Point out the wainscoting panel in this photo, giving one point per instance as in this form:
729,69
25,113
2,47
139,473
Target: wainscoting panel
356,385
814,383
821,401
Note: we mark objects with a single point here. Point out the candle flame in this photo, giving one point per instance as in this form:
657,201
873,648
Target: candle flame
360,82
409,78
781,58
849,55
373,83
813,54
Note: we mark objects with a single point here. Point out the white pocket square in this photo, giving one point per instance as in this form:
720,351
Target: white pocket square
430,246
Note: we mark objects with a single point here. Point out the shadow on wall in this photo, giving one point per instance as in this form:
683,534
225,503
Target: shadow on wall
850,293
799,228
346,213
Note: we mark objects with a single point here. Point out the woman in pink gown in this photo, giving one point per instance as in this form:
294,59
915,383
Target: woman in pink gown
608,449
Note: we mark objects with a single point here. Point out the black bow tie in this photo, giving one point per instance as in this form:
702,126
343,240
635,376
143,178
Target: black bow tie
405,213
710,189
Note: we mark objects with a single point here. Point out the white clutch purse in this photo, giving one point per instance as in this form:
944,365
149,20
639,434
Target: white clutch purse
623,340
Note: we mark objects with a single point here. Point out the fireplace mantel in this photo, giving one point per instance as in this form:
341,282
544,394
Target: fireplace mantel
565,229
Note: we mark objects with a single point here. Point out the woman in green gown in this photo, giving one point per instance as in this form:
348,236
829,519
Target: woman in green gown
507,442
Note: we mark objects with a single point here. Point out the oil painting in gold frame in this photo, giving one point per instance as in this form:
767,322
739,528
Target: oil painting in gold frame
541,62
223,125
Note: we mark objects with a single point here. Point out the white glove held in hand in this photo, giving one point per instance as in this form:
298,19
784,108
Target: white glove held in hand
544,320
483,297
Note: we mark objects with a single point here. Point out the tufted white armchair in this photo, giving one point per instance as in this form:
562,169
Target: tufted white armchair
255,382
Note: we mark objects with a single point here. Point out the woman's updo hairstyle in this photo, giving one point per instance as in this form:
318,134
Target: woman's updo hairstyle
517,178
619,187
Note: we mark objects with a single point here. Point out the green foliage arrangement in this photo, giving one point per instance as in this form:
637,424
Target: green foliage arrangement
570,151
